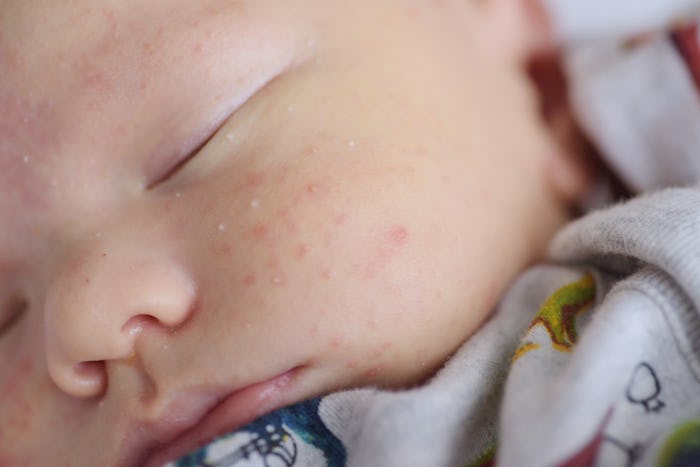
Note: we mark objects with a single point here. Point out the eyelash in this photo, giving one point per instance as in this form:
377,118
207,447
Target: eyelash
173,170
12,313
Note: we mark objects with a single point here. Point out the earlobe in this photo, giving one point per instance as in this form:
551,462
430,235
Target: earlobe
522,27
568,177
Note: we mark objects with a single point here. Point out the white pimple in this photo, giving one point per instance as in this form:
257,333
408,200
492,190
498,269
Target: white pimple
230,136
352,143
290,109
255,204
25,159
98,235
277,280
311,43
178,195
222,227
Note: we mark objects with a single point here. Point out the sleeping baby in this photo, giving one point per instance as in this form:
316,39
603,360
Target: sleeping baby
287,233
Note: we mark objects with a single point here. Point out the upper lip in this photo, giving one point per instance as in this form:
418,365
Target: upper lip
182,415
183,412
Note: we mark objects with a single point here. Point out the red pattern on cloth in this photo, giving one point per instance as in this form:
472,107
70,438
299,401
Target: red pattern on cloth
686,41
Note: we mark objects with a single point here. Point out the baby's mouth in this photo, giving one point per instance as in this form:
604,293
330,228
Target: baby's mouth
225,413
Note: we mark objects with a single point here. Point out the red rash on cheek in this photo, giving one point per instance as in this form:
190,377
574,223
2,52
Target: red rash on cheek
391,242
249,280
254,179
301,251
225,249
261,232
398,236
374,371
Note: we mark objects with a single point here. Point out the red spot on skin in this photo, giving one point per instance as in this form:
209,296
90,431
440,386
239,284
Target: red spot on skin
395,238
352,365
326,274
313,331
261,232
398,235
249,280
335,342
340,219
291,226
374,371
381,350
99,81
225,249
302,250
87,280
255,179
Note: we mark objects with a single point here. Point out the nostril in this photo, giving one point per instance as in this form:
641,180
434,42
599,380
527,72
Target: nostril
90,378
137,324
89,370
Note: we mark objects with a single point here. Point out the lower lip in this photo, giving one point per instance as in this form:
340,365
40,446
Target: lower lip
236,410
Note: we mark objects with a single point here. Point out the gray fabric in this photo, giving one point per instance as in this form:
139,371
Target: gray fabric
579,21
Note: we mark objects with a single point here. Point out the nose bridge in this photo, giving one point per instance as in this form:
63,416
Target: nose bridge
100,301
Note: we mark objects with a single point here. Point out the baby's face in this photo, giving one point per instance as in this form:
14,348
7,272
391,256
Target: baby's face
270,198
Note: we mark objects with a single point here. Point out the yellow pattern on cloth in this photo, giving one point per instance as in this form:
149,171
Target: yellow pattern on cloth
558,315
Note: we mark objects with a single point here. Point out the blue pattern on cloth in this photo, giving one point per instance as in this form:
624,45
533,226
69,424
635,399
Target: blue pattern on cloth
272,440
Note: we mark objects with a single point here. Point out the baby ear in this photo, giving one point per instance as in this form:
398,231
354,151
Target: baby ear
521,26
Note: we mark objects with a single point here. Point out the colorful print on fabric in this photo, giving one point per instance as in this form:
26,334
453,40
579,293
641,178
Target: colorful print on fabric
685,38
644,388
273,440
486,459
558,315
586,456
682,447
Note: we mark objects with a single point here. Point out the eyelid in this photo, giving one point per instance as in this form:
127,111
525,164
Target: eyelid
169,169
11,314
176,160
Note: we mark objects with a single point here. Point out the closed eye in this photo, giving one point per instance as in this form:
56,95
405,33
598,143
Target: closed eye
171,169
11,314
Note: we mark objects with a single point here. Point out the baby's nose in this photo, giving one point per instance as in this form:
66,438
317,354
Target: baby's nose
100,302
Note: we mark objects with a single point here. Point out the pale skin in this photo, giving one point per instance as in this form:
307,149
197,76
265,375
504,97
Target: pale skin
351,216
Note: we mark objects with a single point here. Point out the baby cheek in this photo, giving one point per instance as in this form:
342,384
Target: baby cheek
18,414
280,221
